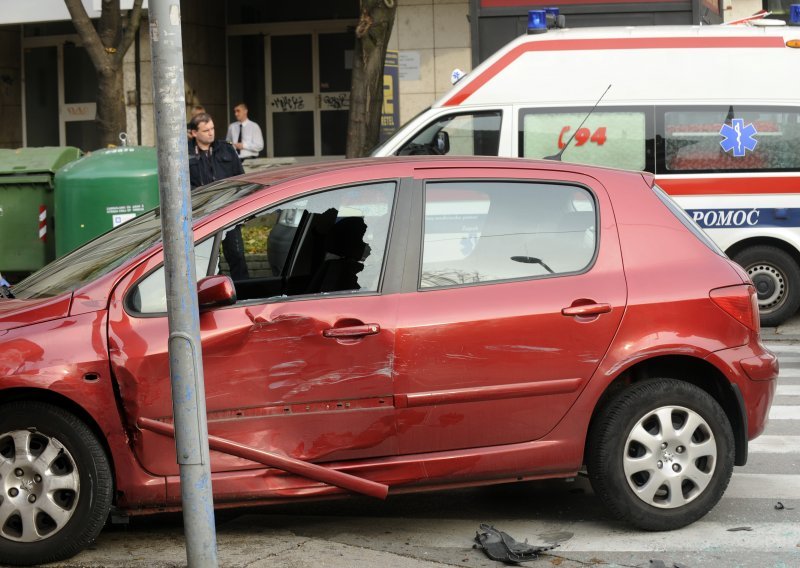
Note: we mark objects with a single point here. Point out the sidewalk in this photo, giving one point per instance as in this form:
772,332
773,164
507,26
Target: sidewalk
789,331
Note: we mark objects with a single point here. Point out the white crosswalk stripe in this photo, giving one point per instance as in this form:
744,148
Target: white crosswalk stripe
784,413
696,537
775,445
788,390
764,486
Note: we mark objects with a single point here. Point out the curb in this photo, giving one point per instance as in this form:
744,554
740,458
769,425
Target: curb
775,334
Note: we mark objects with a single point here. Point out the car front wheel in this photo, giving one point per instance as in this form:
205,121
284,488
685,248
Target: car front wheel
660,454
55,484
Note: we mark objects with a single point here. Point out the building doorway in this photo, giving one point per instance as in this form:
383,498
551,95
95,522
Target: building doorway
306,76
59,93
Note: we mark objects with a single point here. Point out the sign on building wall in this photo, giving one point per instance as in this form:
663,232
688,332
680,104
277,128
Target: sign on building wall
390,114
16,12
408,63
75,112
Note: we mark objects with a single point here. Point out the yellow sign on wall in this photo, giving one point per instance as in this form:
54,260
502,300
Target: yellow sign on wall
390,113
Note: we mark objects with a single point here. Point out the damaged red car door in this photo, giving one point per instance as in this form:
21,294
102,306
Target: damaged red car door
307,375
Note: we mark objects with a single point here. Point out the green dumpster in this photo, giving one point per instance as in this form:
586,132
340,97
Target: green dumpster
27,241
102,190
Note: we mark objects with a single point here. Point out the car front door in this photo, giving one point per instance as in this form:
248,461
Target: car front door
520,292
301,364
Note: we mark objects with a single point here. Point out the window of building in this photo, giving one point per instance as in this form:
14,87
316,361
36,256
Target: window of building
485,231
258,11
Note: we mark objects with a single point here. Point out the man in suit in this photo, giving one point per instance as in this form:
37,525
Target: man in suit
244,134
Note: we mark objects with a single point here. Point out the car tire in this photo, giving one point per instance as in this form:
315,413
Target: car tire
56,484
647,467
776,276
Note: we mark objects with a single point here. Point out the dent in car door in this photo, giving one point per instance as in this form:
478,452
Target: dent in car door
486,353
308,376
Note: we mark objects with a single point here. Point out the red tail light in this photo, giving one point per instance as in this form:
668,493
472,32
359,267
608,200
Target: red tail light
739,302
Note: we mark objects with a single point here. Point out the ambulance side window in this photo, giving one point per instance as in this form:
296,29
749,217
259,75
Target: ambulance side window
728,138
619,137
466,134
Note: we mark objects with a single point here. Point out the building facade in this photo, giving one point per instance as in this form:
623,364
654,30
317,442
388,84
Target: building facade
289,62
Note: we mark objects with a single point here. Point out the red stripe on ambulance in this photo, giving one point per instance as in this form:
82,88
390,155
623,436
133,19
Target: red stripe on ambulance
612,43
729,185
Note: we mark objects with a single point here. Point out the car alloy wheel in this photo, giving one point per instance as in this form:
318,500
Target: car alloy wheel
660,453
670,457
40,486
56,483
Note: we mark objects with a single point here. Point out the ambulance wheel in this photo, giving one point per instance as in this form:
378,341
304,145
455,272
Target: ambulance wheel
776,277
55,481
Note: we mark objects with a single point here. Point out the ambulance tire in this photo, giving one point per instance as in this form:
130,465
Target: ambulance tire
776,276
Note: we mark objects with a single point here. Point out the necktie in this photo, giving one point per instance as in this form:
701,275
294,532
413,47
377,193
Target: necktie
241,128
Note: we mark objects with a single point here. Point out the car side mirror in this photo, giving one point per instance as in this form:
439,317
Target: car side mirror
441,143
215,291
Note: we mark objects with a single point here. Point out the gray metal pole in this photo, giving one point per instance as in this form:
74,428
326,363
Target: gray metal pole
185,355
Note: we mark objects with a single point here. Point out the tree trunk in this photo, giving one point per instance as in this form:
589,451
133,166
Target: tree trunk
111,117
366,96
106,47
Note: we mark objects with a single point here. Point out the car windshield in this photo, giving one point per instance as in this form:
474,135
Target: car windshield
112,249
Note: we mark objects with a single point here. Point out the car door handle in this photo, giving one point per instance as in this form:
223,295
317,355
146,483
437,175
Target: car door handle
586,310
352,331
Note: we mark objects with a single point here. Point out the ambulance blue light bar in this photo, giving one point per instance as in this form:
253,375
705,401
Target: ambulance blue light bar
552,17
537,21
794,15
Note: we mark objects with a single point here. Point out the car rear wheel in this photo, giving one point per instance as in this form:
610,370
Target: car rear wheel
660,454
55,484
776,277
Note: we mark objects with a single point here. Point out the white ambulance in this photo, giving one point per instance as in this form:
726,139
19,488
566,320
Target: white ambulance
713,111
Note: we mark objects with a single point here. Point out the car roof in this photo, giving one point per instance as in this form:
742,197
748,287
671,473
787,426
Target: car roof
395,165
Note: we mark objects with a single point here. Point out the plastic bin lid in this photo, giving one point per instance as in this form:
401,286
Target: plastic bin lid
36,160
113,163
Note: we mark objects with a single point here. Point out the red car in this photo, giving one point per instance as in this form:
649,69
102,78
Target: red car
393,325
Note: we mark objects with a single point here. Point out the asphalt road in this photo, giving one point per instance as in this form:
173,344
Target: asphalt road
757,523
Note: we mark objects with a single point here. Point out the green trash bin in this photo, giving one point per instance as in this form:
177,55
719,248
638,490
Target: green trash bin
27,241
102,190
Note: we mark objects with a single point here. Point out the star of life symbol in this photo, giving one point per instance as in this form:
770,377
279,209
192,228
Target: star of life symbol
738,137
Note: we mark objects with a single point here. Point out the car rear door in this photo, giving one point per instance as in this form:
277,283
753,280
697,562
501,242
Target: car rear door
515,299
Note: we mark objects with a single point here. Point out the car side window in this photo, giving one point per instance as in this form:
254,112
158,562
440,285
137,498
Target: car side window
150,295
329,242
332,241
484,231
467,134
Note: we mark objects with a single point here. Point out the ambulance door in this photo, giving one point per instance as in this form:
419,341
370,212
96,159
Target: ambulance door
484,131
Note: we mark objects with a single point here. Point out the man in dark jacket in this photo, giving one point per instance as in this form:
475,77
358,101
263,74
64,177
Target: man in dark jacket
212,160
